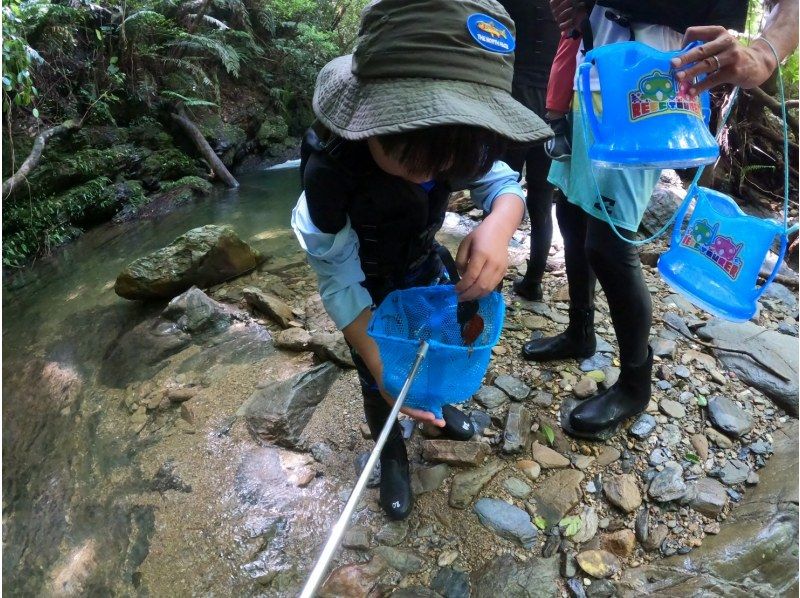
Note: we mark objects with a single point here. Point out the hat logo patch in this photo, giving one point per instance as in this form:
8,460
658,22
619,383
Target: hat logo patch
490,33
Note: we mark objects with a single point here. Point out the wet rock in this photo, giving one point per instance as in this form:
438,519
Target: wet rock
718,439
269,305
356,580
450,583
671,435
760,447
575,587
547,457
622,543
490,397
727,417
558,495
668,484
672,408
551,545
656,538
517,430
588,529
598,563
601,588
623,492
683,372
410,592
598,361
507,577
659,456
515,388
356,538
585,387
517,488
777,350
467,484
752,479
542,399
700,445
201,257
428,479
531,469
480,421
331,346
506,520
454,452
279,412
392,533
706,496
734,472
360,462
643,426
195,312
404,561
582,462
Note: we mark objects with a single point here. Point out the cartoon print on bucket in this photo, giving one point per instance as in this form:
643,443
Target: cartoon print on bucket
659,93
721,250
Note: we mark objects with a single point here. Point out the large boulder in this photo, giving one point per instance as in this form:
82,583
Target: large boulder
202,257
279,412
775,372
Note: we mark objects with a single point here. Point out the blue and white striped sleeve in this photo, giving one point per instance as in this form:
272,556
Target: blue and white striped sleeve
334,258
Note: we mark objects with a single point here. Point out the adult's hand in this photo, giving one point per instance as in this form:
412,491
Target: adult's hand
565,12
723,59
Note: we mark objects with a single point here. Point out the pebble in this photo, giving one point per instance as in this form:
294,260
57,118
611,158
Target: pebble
643,426
598,563
547,457
727,417
668,484
700,445
672,408
490,397
623,492
718,439
671,435
515,388
531,469
506,521
734,472
356,538
682,372
585,387
517,488
447,558
392,533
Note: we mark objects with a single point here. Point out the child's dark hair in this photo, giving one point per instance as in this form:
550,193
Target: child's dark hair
449,152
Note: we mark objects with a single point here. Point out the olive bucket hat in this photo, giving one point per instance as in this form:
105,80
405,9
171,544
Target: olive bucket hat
421,63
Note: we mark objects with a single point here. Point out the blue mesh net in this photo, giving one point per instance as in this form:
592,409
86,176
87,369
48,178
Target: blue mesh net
451,372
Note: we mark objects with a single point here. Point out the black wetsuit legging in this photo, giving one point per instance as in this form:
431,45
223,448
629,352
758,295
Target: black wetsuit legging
540,192
592,249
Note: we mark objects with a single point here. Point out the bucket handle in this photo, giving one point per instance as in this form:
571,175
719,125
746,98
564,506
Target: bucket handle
678,230
587,106
781,252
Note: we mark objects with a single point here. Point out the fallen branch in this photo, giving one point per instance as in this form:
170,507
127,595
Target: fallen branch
32,161
205,149
774,105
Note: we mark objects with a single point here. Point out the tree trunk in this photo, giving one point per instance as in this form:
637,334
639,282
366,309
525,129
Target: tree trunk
220,170
32,161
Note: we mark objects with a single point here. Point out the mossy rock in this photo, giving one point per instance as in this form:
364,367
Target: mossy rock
99,137
150,133
168,164
272,130
220,135
202,257
197,184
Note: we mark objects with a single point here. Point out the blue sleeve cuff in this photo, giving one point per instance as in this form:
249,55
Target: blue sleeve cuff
499,180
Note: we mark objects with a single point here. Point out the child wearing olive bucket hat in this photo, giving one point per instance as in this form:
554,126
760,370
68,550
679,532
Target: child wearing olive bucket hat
421,108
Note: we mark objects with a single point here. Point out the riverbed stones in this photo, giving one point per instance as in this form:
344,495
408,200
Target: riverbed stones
585,387
269,305
454,452
727,417
668,484
517,488
643,426
718,439
467,484
621,543
515,388
194,312
279,412
672,408
507,521
357,579
700,444
356,538
201,257
450,583
392,533
292,339
404,561
607,455
490,397
428,479
598,563
558,494
547,457
664,347
517,430
623,492
706,496
505,576
734,472
331,346
589,525
531,469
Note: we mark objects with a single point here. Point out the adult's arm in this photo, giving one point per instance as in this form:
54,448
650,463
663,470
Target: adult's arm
725,60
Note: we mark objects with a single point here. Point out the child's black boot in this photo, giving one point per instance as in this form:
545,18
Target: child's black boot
457,425
629,396
529,287
577,341
395,487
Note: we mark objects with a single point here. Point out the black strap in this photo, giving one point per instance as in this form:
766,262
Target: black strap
449,262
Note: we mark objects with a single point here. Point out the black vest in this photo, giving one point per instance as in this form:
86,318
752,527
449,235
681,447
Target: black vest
395,220
731,14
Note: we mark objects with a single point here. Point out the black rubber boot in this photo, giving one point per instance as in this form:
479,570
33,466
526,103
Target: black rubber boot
395,487
457,425
528,287
629,396
577,341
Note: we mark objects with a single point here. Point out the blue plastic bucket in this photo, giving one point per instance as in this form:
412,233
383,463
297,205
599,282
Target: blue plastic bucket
646,121
451,371
716,258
